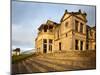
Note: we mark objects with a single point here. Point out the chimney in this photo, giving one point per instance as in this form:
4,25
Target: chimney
79,10
84,14
66,10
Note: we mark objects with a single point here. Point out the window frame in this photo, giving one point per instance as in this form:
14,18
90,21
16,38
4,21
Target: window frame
66,24
76,25
44,40
81,27
76,45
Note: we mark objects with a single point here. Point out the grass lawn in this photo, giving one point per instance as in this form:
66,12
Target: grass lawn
21,57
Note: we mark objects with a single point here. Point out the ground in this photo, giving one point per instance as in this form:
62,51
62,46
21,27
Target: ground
55,62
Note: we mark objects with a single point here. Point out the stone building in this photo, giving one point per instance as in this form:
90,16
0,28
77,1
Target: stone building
72,33
91,38
16,52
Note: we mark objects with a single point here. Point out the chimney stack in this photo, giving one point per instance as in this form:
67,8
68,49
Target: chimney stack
79,10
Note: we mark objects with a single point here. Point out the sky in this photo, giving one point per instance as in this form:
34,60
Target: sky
28,16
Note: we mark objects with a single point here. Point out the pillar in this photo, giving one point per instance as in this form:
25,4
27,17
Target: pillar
72,43
84,45
84,28
79,27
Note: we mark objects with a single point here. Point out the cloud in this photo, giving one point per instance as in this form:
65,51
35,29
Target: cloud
22,36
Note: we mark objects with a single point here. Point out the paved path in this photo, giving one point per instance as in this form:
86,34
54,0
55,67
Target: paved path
40,64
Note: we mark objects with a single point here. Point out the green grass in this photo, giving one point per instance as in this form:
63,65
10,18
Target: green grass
16,59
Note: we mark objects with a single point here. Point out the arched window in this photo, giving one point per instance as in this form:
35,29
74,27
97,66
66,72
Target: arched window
76,25
66,24
81,27
58,34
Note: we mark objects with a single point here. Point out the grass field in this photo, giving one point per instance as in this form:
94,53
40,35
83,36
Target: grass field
21,57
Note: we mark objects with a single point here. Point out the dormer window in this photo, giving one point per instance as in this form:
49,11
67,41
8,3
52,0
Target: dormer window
50,27
45,28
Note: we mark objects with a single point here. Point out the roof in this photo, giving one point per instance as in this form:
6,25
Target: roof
94,27
73,13
88,27
17,49
49,22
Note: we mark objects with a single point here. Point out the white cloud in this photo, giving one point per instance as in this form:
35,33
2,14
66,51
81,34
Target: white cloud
22,36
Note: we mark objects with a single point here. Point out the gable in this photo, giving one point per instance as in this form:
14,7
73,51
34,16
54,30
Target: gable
81,16
66,15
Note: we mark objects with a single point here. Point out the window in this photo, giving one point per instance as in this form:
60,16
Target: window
81,27
44,40
66,34
50,44
76,44
45,46
45,28
76,25
87,46
66,24
50,47
91,33
59,45
50,41
58,33
81,45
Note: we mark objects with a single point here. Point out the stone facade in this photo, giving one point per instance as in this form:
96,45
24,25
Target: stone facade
91,38
71,33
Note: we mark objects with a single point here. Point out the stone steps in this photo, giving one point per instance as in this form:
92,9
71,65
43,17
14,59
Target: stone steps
71,54
53,62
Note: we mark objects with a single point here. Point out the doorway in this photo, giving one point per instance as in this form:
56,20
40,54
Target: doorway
44,48
44,45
